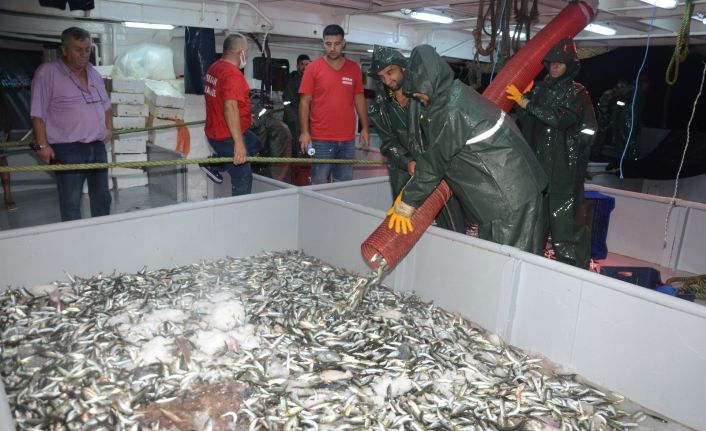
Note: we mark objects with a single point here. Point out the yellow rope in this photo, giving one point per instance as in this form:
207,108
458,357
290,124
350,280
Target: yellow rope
117,132
681,49
210,160
696,284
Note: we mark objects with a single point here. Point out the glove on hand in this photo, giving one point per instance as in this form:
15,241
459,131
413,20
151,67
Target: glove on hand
401,216
516,96
398,199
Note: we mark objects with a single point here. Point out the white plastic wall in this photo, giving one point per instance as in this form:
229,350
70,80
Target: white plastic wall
637,229
646,345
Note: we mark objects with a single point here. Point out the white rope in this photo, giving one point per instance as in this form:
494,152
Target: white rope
683,156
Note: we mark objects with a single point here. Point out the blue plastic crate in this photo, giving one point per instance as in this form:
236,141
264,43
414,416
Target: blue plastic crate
603,205
641,275
679,293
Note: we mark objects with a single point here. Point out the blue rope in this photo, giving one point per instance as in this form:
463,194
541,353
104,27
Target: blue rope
634,94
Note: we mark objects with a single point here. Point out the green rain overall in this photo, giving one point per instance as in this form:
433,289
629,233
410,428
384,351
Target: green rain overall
478,150
559,109
390,121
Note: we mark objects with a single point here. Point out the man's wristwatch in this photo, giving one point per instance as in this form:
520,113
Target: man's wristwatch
37,147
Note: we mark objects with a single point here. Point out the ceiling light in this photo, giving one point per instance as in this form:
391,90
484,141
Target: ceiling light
600,29
368,50
664,4
431,17
148,25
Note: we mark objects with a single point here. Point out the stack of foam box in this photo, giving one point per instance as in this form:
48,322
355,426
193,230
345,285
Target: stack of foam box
129,112
195,110
167,102
166,105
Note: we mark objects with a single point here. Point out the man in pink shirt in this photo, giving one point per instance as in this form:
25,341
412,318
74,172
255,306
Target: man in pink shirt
72,119
331,94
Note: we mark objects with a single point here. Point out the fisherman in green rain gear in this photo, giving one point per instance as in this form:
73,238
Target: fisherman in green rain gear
558,121
476,148
388,115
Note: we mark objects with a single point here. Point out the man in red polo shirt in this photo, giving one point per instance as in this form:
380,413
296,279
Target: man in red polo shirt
331,94
228,115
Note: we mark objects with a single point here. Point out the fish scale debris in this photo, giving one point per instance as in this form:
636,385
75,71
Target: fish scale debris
271,342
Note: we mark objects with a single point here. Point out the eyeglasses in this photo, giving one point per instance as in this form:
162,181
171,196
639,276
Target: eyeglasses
91,90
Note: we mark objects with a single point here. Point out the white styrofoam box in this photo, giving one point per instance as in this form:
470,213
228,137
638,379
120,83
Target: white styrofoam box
199,143
194,113
167,113
120,85
128,122
129,98
105,71
142,157
130,146
128,181
161,93
194,100
125,110
165,138
178,84
132,135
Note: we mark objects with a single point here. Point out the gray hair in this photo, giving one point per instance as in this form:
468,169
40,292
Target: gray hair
76,33
234,42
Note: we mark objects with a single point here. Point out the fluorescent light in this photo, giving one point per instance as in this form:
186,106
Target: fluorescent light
148,25
664,4
431,17
600,29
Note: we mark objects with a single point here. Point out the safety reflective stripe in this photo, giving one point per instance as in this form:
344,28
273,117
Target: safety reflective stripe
490,132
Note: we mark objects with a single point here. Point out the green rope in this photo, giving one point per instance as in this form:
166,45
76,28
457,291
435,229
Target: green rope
30,139
681,50
178,162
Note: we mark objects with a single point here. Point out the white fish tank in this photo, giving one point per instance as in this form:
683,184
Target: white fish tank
649,347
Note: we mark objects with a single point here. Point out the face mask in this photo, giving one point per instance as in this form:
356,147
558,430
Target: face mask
243,61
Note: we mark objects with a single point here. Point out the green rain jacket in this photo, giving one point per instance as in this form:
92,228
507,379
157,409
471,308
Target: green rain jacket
557,123
484,158
390,122
558,111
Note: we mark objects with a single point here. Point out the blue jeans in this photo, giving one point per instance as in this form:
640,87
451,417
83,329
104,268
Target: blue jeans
320,172
70,183
240,175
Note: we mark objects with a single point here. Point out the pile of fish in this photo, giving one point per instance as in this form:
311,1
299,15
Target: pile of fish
271,342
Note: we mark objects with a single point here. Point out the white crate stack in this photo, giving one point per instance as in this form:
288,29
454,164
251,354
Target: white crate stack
167,103
129,112
195,110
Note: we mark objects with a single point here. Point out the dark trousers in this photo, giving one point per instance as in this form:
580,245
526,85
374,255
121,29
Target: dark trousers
240,175
70,183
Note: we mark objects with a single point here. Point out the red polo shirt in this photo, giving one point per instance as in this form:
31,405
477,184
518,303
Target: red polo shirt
224,81
332,112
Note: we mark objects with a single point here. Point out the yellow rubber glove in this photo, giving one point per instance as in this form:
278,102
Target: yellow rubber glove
401,216
516,96
398,199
